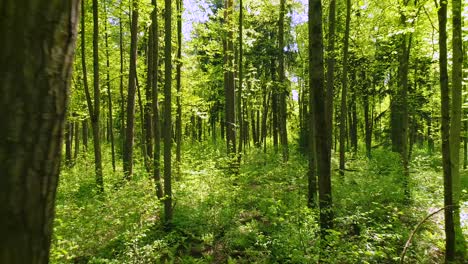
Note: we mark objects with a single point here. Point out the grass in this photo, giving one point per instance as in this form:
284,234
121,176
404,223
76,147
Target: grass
255,216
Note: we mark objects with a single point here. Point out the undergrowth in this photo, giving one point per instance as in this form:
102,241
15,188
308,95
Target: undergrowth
257,215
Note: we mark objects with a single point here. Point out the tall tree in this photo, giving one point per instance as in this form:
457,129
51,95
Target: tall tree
109,93
93,107
129,134
445,129
154,85
455,122
229,80
241,78
318,108
167,111
282,85
330,67
32,114
344,89
178,86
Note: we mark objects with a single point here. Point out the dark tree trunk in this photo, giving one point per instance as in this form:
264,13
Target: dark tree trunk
330,68
68,143
179,86
445,129
344,90
283,129
318,94
77,139
109,93
167,112
121,89
32,116
155,104
85,134
241,77
129,133
229,82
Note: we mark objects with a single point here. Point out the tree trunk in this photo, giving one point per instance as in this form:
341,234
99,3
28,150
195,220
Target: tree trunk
109,94
68,143
77,139
85,134
455,125
122,97
167,112
129,133
445,129
316,81
283,129
241,77
178,85
229,82
344,89
330,67
155,104
32,114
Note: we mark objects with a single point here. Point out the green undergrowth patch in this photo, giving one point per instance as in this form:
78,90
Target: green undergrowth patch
254,214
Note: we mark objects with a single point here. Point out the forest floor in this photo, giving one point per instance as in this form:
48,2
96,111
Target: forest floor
258,215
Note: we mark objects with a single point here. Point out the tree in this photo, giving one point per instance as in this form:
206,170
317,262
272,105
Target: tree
93,107
320,125
229,81
154,43
344,89
331,66
445,129
32,114
282,85
109,93
167,111
178,85
455,122
129,134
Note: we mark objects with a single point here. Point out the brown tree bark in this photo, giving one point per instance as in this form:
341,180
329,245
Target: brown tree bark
155,104
445,129
344,89
178,131
283,92
129,133
167,112
32,114
318,106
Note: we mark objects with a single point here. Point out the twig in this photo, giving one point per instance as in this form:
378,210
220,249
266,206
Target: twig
408,242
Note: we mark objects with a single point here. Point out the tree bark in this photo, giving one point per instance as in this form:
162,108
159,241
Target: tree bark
455,123
241,77
109,93
445,129
129,133
330,67
283,129
167,112
155,103
32,114
229,81
344,89
179,86
316,80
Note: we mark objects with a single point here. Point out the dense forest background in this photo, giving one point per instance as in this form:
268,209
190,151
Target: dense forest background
284,131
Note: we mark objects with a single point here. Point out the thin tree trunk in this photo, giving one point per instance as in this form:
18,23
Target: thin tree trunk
455,126
121,89
77,139
283,129
68,143
109,93
330,67
167,112
129,133
445,129
318,94
85,134
229,82
178,86
241,77
34,87
155,105
344,89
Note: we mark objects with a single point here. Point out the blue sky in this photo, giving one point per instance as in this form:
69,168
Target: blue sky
198,11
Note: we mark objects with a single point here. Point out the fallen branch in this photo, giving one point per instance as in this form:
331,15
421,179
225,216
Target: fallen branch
408,242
